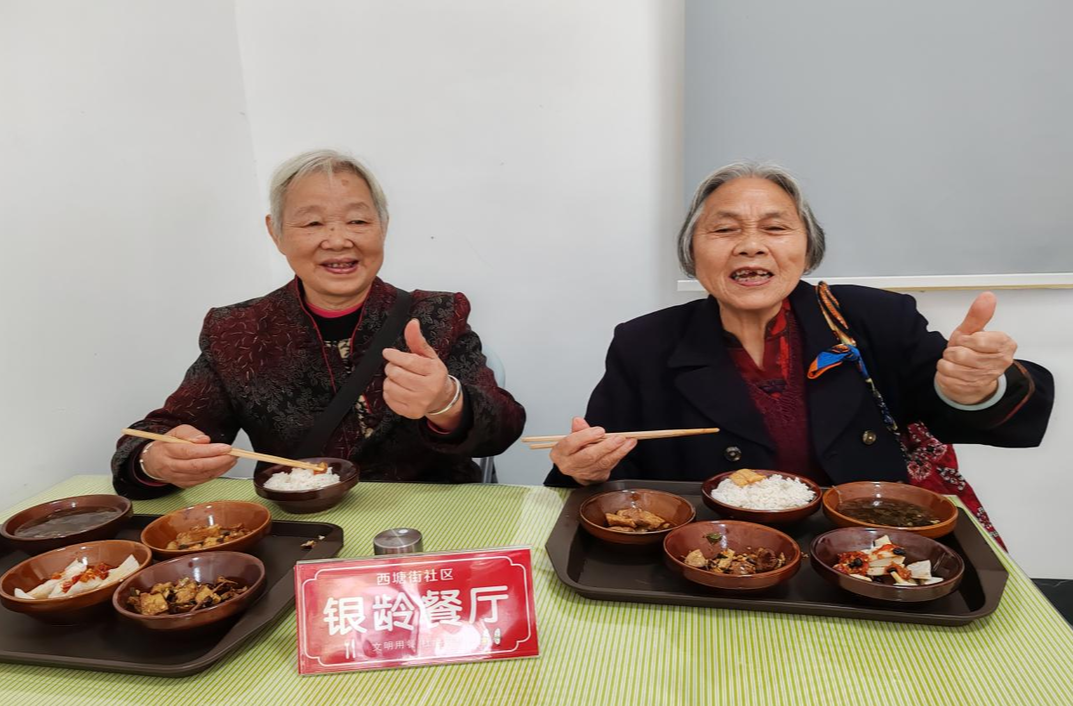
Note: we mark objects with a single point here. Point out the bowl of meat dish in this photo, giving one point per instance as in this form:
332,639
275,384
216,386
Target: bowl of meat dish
71,584
634,517
60,523
301,491
886,565
894,505
732,555
228,525
767,497
191,592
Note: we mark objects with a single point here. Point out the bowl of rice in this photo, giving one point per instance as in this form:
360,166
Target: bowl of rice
301,491
767,497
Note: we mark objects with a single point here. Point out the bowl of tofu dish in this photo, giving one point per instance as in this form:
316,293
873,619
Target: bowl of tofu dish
886,565
191,593
635,517
228,525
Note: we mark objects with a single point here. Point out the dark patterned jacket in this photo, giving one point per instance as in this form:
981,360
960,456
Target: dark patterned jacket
671,369
263,368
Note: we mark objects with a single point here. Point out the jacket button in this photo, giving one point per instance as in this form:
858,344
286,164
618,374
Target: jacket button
868,437
733,453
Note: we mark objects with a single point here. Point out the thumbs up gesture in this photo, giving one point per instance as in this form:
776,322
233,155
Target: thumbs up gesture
417,382
974,359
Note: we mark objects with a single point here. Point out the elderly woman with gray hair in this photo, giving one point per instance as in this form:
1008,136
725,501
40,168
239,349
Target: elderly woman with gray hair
819,381
335,363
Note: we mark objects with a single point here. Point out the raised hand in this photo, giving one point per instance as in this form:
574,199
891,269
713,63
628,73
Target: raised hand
975,358
417,382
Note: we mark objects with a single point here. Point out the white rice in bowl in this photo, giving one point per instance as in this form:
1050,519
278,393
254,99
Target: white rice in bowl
301,479
775,492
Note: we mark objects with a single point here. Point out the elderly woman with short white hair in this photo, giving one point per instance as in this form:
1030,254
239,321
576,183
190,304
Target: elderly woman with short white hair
834,383
335,363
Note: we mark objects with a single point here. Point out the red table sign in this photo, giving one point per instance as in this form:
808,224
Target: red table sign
414,609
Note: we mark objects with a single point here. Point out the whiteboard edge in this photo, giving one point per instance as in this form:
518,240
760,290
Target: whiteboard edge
921,283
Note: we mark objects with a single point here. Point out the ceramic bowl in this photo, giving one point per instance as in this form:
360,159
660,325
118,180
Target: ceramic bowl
300,502
715,536
766,517
938,505
66,611
206,567
945,563
672,508
226,513
15,530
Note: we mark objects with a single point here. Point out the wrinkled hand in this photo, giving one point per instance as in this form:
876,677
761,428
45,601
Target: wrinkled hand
587,454
975,359
416,382
187,465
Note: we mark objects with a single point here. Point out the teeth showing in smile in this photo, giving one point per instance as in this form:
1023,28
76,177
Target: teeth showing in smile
340,265
750,275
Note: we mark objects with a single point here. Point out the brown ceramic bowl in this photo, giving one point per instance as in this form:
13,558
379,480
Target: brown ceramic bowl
300,502
675,510
106,528
739,536
945,563
244,569
938,505
227,513
767,517
67,611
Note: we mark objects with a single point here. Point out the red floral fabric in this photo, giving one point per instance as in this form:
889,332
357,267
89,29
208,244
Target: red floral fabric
934,465
263,368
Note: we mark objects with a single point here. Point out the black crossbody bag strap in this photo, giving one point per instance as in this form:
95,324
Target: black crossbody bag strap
371,361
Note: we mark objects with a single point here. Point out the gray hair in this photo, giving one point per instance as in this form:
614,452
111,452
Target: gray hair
328,162
816,243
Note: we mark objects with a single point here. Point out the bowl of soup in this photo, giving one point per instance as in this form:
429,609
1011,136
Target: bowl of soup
890,505
59,523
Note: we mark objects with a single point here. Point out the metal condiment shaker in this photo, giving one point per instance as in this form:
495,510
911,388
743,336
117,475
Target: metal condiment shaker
401,540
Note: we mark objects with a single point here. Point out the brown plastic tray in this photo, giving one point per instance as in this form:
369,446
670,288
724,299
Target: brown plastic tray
110,644
598,570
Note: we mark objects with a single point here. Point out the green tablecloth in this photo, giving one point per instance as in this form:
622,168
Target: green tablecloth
599,652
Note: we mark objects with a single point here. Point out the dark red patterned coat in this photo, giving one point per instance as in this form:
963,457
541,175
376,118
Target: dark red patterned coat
263,368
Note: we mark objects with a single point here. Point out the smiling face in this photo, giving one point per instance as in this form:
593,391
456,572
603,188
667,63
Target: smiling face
332,237
750,246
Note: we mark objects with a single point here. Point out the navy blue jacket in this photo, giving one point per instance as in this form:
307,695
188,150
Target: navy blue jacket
671,369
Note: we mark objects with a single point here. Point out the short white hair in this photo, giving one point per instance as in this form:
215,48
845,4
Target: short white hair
328,162
816,240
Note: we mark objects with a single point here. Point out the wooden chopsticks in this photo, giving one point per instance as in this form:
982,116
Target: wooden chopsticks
546,442
241,453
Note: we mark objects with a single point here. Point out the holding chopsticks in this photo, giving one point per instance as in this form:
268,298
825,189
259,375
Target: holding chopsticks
241,453
547,442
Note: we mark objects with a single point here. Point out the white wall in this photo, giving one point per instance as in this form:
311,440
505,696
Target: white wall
1025,491
531,153
129,208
